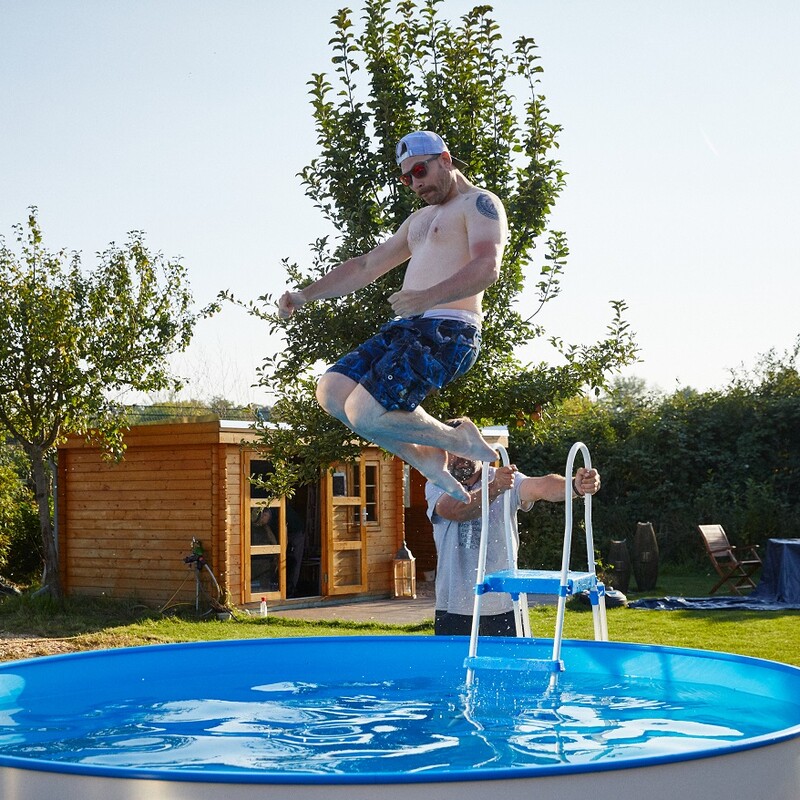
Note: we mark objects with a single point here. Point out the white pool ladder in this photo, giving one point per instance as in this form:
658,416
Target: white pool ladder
521,582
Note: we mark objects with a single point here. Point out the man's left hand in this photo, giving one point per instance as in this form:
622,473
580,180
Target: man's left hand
409,302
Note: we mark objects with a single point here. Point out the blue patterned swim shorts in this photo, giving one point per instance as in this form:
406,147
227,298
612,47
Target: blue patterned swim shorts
409,358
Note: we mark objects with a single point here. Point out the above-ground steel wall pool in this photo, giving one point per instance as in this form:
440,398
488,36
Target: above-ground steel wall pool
391,717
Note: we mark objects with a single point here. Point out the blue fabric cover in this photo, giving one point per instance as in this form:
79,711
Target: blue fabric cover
780,575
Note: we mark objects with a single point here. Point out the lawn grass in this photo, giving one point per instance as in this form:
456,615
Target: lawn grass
93,623
774,635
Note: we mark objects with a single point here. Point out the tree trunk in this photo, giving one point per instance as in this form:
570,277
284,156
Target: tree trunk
42,483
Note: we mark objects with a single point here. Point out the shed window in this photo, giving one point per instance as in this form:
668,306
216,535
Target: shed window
372,499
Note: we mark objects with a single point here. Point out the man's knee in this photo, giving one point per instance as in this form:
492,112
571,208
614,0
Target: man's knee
323,392
364,412
333,389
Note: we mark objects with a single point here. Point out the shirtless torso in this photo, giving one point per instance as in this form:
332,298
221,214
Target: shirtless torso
438,239
446,240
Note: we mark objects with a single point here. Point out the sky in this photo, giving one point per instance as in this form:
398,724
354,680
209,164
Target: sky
190,119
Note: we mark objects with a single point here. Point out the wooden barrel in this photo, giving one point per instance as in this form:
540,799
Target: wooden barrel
619,559
645,557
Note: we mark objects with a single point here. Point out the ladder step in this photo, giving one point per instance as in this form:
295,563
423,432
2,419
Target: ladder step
536,581
522,664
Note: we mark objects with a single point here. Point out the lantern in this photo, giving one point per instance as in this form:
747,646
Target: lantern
405,573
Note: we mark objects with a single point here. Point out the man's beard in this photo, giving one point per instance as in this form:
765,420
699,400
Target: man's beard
462,471
432,197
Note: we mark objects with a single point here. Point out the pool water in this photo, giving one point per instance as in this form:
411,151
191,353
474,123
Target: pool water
407,725
380,706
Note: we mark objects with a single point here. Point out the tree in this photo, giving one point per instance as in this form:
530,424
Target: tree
71,341
420,71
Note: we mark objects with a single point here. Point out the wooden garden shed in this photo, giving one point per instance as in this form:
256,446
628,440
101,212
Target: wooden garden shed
129,529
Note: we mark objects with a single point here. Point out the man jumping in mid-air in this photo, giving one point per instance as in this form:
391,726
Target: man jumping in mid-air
455,246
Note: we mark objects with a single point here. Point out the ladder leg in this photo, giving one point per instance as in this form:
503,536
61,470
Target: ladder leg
473,636
597,597
476,606
518,622
603,621
596,615
476,621
525,616
602,613
562,607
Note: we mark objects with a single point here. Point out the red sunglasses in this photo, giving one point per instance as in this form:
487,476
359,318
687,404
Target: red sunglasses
419,170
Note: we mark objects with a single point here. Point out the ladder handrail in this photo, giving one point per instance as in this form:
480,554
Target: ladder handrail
522,621
484,546
567,547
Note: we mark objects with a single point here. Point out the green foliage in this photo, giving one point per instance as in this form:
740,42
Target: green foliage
400,71
20,550
686,459
72,340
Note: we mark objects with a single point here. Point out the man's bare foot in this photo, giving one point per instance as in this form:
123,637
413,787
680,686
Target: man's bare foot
432,463
444,480
471,444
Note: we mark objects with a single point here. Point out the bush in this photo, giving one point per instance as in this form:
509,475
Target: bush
20,536
25,558
677,461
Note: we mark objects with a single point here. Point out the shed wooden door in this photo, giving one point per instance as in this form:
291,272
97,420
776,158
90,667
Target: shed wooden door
265,539
346,558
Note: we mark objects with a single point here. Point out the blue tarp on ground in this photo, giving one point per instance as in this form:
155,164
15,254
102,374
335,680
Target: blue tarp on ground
745,602
778,589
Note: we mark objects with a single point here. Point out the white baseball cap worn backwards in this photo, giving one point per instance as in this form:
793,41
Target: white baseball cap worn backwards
420,143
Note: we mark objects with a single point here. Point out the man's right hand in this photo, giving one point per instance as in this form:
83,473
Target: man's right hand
289,303
503,478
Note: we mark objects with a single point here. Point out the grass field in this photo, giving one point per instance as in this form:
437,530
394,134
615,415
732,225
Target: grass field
84,624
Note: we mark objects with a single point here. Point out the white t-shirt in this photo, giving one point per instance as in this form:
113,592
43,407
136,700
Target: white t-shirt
457,545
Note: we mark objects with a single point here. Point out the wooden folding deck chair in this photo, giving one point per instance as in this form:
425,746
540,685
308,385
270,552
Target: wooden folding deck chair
731,566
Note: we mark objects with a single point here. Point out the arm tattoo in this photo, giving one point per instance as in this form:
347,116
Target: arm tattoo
486,206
